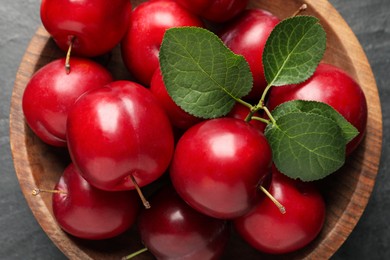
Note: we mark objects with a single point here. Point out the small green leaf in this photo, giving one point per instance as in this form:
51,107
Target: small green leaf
348,130
293,50
201,74
307,146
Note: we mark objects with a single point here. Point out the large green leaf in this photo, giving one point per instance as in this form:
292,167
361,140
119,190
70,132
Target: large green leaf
319,108
201,74
293,50
307,146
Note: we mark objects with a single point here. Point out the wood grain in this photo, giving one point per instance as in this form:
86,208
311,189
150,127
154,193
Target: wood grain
347,192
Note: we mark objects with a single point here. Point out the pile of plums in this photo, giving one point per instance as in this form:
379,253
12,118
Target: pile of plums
125,135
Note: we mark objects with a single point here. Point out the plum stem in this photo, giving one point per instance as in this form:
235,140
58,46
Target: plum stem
281,208
135,254
141,195
35,192
301,9
67,60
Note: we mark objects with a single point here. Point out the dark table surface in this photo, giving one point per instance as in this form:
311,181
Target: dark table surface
21,237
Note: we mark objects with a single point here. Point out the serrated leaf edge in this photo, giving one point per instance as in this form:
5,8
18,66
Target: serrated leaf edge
317,61
315,177
237,57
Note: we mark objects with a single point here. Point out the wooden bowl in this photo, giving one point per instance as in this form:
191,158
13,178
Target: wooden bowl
346,192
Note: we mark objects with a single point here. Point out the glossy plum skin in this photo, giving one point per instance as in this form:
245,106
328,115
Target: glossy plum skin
334,87
141,44
218,166
171,229
215,11
51,92
246,35
270,231
178,117
98,25
119,131
89,213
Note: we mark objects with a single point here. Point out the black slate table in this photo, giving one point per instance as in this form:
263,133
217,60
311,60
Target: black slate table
22,238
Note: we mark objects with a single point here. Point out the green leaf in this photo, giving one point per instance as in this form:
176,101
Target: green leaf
307,146
293,50
201,74
319,108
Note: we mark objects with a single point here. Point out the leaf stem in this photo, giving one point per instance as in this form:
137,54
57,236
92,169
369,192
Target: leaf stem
242,102
269,115
265,92
250,114
263,120
252,109
261,105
